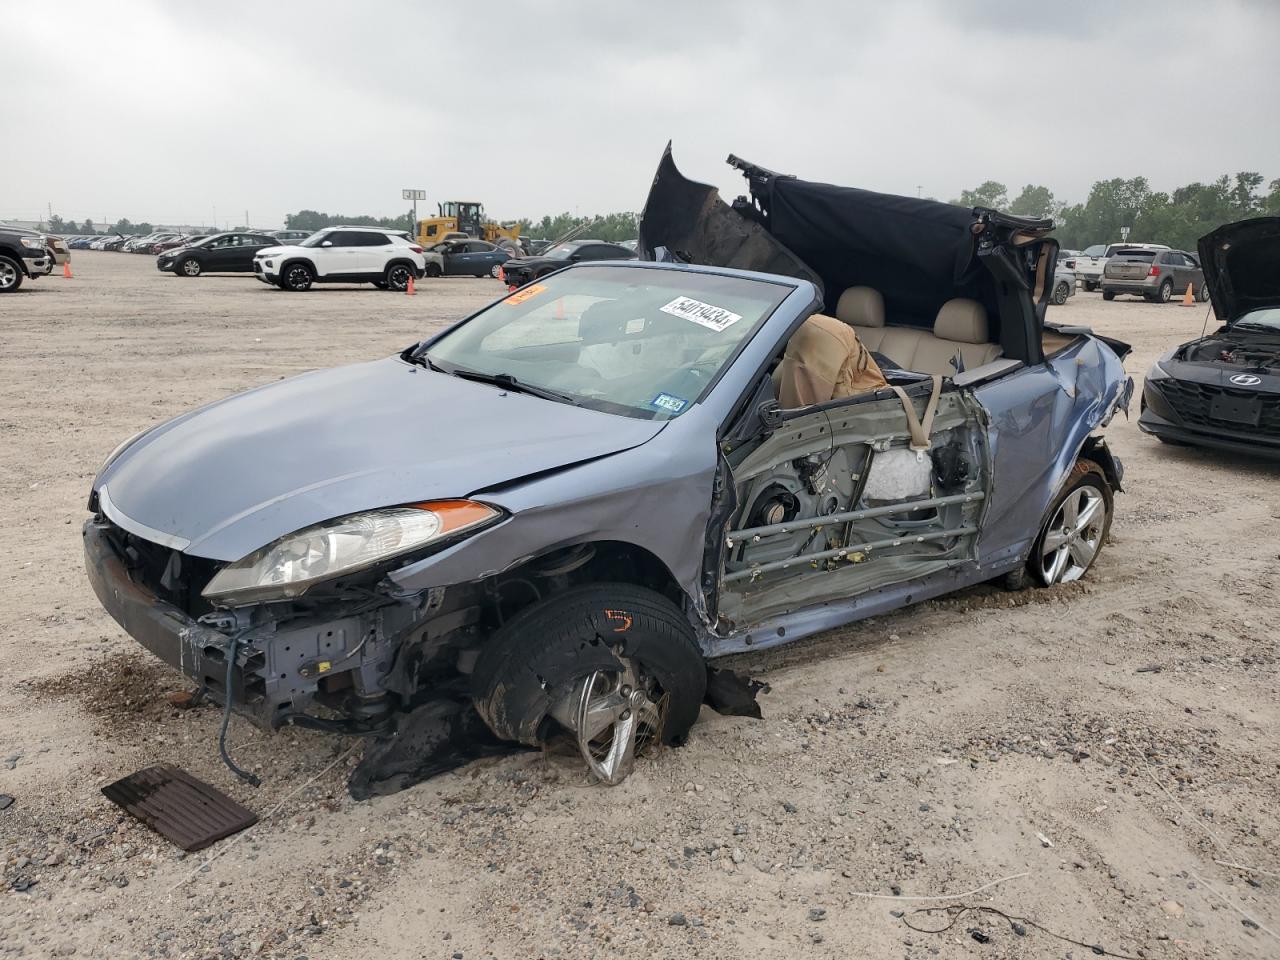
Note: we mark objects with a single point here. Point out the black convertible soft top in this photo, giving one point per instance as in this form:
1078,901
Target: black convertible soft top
917,253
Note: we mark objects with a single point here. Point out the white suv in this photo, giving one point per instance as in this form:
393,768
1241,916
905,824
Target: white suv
385,258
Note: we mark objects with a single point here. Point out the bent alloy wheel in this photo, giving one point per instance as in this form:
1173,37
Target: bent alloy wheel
397,277
189,267
614,666
1079,522
297,276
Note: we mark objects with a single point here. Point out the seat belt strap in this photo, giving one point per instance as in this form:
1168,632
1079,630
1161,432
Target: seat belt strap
920,428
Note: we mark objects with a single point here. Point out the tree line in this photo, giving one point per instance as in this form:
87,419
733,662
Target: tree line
1177,219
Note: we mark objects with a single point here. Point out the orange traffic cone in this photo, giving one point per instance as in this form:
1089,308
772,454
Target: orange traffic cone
409,291
66,270
1188,300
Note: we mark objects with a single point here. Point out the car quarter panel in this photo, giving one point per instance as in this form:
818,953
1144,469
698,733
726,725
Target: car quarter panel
1040,418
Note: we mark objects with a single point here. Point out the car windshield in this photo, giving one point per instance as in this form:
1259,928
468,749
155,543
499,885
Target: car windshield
638,342
1268,318
562,252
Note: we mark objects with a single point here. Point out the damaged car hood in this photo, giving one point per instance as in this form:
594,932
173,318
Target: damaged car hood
226,479
1240,266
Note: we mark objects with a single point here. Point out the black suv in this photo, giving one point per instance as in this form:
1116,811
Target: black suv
23,253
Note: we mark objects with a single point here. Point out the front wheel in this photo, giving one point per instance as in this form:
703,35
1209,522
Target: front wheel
1060,294
397,277
495,271
1203,295
613,665
1108,294
433,270
1090,286
297,277
1079,522
190,267
10,275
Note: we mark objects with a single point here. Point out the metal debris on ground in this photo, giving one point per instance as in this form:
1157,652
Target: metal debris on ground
5,801
182,809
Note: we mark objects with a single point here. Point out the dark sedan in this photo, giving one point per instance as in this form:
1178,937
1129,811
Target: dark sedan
521,270
1223,390
220,253
470,258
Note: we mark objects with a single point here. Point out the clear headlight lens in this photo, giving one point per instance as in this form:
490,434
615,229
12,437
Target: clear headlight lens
291,565
35,243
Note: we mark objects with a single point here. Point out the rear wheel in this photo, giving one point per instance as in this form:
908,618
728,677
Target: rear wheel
1060,293
1108,294
1090,285
1203,294
615,666
1079,521
297,277
1165,293
495,271
10,275
397,277
190,267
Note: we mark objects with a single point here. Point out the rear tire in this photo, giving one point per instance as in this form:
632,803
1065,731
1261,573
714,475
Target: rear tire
1108,294
297,277
536,657
1090,286
1203,294
10,275
1165,293
495,271
1070,540
397,277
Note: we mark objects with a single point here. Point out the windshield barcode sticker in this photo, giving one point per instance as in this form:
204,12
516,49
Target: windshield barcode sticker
703,314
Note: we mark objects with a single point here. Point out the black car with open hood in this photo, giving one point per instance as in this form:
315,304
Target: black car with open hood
1223,390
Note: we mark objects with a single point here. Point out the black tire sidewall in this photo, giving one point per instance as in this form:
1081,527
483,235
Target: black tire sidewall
1085,472
391,284
181,270
537,655
433,270
1166,292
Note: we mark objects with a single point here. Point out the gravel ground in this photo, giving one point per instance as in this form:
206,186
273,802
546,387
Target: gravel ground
1105,744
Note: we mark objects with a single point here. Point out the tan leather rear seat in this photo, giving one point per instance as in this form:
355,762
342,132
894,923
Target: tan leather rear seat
961,327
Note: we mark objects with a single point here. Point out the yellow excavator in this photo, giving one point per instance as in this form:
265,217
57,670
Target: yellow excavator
465,218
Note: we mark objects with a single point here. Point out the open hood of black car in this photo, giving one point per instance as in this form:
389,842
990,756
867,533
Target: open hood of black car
1241,264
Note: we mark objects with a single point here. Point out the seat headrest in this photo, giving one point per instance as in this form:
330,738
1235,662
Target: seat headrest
962,320
861,307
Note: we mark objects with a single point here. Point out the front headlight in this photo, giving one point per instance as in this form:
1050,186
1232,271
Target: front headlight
291,565
34,243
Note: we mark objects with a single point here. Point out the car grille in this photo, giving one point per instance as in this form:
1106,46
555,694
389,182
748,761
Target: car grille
1192,403
169,574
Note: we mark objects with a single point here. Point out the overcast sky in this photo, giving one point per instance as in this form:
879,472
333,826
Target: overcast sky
165,111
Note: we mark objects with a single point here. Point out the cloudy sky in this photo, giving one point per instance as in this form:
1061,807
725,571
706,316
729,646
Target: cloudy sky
166,111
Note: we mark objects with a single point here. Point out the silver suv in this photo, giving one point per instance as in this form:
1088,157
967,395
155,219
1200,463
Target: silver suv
1155,275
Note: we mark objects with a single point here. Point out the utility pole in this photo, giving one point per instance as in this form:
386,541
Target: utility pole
246,219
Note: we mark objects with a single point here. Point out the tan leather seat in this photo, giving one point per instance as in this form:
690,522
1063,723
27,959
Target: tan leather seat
960,327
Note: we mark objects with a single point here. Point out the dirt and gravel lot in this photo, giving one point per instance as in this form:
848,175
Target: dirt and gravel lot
1111,745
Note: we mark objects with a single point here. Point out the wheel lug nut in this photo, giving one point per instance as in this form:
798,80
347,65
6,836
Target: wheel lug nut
626,715
626,690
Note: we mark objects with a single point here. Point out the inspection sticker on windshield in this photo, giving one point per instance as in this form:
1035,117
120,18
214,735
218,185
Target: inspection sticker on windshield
703,314
526,293
665,401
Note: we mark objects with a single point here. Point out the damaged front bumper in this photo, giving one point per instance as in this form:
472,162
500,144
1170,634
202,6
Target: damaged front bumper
282,666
